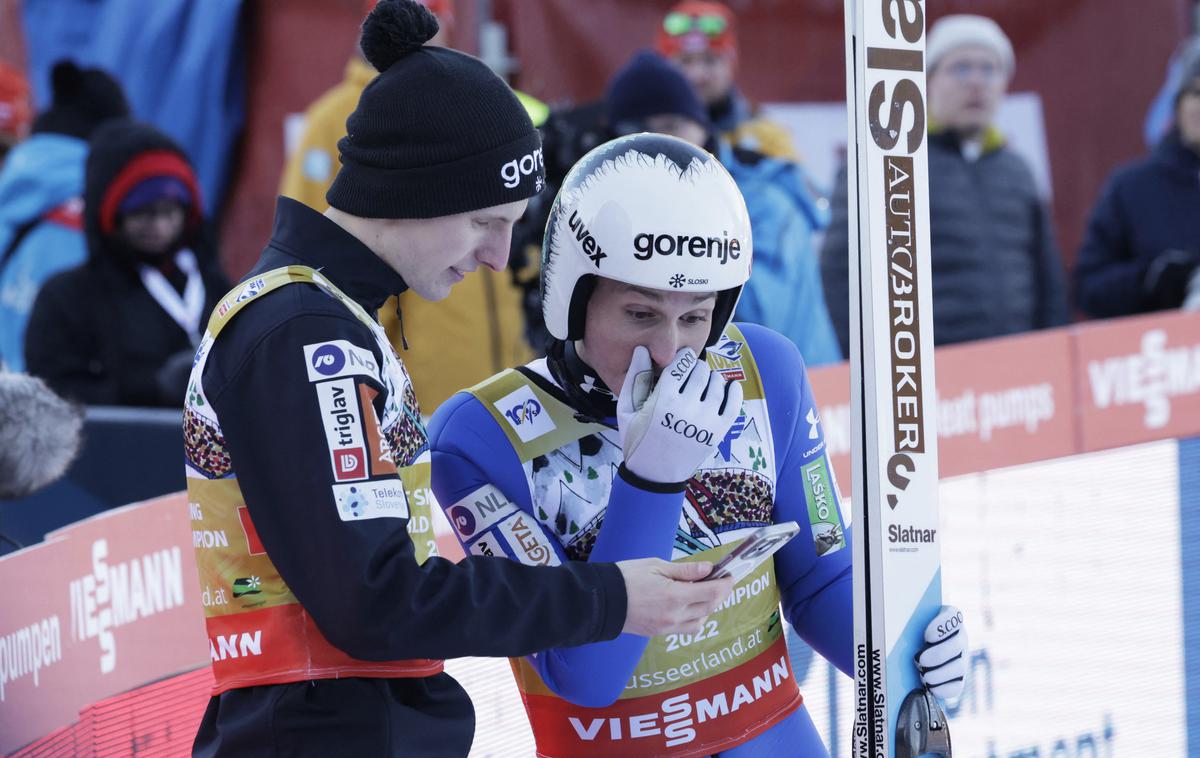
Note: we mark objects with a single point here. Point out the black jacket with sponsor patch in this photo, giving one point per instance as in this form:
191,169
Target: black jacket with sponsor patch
359,580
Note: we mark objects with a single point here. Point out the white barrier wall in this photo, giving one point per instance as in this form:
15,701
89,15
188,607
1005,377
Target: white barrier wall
1070,576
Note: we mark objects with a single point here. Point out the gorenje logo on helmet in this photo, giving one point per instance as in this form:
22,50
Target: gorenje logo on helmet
722,248
527,164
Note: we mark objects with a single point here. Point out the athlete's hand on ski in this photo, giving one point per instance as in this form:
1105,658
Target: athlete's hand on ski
677,427
941,663
667,597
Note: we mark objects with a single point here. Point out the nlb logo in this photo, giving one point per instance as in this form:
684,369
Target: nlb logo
479,511
328,360
585,239
722,248
530,163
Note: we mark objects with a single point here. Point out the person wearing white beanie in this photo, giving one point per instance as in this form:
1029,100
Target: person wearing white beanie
996,269
970,62
963,30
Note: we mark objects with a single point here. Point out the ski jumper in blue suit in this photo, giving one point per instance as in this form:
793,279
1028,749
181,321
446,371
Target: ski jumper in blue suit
526,465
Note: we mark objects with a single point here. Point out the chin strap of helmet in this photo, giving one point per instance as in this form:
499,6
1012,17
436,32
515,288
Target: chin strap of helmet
592,400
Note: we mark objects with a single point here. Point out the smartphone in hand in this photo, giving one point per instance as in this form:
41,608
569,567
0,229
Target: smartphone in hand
749,555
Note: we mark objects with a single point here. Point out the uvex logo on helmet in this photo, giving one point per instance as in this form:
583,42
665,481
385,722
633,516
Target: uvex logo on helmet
527,164
722,248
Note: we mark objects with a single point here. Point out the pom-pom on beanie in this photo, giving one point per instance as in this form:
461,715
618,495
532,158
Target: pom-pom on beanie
436,133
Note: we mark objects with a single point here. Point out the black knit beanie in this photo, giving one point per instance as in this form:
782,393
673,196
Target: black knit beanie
82,99
436,133
649,85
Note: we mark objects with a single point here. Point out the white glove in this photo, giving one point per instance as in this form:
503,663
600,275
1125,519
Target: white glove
676,428
941,663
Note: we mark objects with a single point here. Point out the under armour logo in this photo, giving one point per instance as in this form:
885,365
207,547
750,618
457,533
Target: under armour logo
813,419
589,385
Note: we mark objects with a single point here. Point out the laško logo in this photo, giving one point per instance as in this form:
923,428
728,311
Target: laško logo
722,248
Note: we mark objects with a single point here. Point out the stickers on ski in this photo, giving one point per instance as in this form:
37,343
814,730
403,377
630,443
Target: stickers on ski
897,574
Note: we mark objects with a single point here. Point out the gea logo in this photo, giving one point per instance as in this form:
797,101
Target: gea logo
687,429
527,164
723,248
523,413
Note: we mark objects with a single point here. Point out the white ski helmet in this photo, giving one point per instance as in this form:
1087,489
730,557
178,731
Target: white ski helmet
648,210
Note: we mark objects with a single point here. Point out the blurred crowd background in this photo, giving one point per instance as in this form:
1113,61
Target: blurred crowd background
145,144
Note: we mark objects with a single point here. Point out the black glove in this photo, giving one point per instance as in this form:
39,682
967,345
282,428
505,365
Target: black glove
1165,282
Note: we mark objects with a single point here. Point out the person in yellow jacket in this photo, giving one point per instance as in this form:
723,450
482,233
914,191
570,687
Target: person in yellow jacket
475,332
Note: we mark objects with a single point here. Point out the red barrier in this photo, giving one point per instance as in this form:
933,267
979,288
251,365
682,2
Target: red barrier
111,603
101,607
1138,380
1047,394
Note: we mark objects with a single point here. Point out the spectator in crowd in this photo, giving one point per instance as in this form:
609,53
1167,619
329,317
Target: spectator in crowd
15,114
1141,251
302,428
39,435
650,94
122,328
1160,116
40,187
996,269
700,37
479,328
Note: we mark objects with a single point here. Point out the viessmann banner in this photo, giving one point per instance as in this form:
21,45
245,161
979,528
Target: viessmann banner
1047,394
103,606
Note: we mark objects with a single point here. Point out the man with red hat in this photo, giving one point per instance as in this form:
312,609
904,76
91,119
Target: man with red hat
700,37
15,114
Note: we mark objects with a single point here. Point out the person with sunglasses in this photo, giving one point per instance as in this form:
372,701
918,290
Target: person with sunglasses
700,37
658,427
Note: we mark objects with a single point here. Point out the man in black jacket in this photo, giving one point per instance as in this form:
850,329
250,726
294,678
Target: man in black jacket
308,461
996,269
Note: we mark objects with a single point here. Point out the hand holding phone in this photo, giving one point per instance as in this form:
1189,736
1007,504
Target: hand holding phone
750,554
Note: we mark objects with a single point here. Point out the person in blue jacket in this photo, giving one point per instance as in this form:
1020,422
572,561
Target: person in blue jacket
650,94
41,208
656,427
